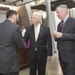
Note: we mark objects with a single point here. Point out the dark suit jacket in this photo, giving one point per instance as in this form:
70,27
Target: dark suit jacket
66,44
43,44
10,40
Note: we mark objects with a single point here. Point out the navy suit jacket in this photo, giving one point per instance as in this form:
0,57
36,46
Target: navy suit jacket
43,44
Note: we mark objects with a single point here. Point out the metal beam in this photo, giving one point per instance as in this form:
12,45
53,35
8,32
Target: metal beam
13,2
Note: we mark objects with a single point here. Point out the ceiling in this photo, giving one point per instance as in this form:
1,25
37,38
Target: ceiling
15,2
54,4
42,6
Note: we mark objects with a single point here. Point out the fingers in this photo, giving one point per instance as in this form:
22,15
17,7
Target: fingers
57,34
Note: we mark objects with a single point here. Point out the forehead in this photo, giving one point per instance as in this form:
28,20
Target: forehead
14,14
34,15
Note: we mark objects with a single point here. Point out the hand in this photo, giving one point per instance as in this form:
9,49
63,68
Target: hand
53,35
48,58
57,34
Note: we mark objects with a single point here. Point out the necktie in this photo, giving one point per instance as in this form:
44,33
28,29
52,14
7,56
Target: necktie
61,26
36,33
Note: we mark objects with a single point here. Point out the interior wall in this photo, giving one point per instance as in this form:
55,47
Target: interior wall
2,15
29,11
72,12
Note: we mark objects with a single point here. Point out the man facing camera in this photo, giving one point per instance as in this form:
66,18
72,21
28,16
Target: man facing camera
10,40
40,48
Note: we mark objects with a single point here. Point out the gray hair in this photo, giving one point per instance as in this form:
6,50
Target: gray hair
63,7
38,15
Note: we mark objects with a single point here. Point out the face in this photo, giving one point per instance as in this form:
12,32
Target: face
35,19
60,13
14,17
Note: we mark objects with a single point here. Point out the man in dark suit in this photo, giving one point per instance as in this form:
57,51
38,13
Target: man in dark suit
65,37
10,40
40,48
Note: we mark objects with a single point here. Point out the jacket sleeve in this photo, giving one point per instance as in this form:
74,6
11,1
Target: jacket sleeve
19,39
68,37
26,36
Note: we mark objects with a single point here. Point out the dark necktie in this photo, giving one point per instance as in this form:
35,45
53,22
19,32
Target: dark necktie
61,26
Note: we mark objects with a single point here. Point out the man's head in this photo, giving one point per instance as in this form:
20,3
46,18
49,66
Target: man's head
62,11
12,16
36,18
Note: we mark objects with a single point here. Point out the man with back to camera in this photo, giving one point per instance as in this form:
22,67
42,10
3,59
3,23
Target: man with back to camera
40,47
10,40
65,37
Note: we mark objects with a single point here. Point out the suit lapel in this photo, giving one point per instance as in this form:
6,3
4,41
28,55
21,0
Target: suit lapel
59,27
32,32
65,24
40,32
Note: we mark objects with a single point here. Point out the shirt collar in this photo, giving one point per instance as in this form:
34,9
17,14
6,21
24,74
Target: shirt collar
66,19
38,26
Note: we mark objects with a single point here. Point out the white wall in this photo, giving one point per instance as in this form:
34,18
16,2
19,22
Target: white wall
2,15
57,21
72,12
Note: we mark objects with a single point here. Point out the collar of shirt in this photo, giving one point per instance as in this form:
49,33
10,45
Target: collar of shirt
38,27
23,32
66,19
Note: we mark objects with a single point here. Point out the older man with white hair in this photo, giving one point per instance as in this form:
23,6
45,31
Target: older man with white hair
40,48
65,37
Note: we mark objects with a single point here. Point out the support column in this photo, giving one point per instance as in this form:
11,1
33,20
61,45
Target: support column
51,22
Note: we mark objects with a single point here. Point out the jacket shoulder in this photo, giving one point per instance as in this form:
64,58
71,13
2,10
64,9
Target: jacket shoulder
29,27
71,18
45,26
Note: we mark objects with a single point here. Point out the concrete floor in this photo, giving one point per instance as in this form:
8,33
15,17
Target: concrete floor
53,67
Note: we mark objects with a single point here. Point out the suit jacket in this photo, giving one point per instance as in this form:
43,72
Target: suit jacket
43,44
66,44
10,40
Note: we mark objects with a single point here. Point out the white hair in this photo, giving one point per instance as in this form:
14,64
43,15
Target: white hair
38,15
63,7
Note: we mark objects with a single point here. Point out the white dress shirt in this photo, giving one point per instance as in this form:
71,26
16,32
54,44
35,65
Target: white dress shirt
37,30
